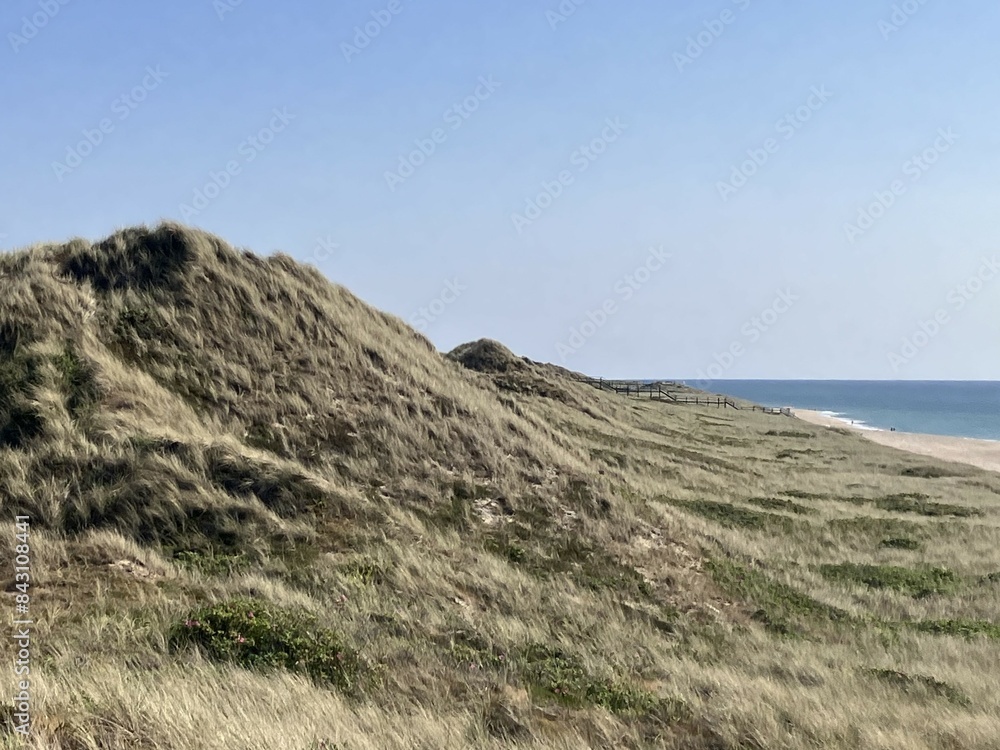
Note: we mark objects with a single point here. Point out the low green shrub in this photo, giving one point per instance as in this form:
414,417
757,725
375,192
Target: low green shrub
964,628
921,683
777,503
780,608
789,434
918,582
561,676
918,504
732,516
257,635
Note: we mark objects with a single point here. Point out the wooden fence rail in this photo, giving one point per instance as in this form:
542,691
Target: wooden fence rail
664,391
783,410
657,391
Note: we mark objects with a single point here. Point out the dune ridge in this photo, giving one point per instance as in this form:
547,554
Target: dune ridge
265,514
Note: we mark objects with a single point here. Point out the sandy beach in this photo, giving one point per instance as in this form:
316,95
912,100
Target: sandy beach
982,453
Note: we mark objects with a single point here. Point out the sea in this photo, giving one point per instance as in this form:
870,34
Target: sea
959,408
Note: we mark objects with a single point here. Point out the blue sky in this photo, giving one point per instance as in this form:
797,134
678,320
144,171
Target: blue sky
735,189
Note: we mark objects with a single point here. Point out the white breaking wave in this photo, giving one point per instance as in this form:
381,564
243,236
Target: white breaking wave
857,424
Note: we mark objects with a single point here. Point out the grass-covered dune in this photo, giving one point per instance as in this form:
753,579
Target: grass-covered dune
266,515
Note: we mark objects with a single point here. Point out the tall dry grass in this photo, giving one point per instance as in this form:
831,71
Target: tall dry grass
517,559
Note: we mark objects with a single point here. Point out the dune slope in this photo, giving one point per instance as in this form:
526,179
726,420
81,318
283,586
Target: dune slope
264,514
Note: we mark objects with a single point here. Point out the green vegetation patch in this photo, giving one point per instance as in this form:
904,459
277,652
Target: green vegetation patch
144,322
464,490
20,373
732,516
570,555
595,568
512,551
881,527
365,572
776,503
789,434
919,505
472,650
913,582
456,510
135,327
796,452
214,563
781,608
610,457
285,492
260,636
930,472
921,685
581,496
964,628
900,542
556,675
78,382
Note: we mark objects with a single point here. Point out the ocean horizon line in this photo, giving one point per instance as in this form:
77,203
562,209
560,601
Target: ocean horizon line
957,408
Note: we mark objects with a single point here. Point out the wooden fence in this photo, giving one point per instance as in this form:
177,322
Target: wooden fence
667,391
658,391
782,410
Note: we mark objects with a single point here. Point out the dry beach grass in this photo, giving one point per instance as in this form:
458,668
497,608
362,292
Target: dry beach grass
423,551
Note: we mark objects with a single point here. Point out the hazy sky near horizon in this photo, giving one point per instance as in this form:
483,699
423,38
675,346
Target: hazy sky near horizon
726,189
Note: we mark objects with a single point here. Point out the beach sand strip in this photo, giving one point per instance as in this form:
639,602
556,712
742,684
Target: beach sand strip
982,453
